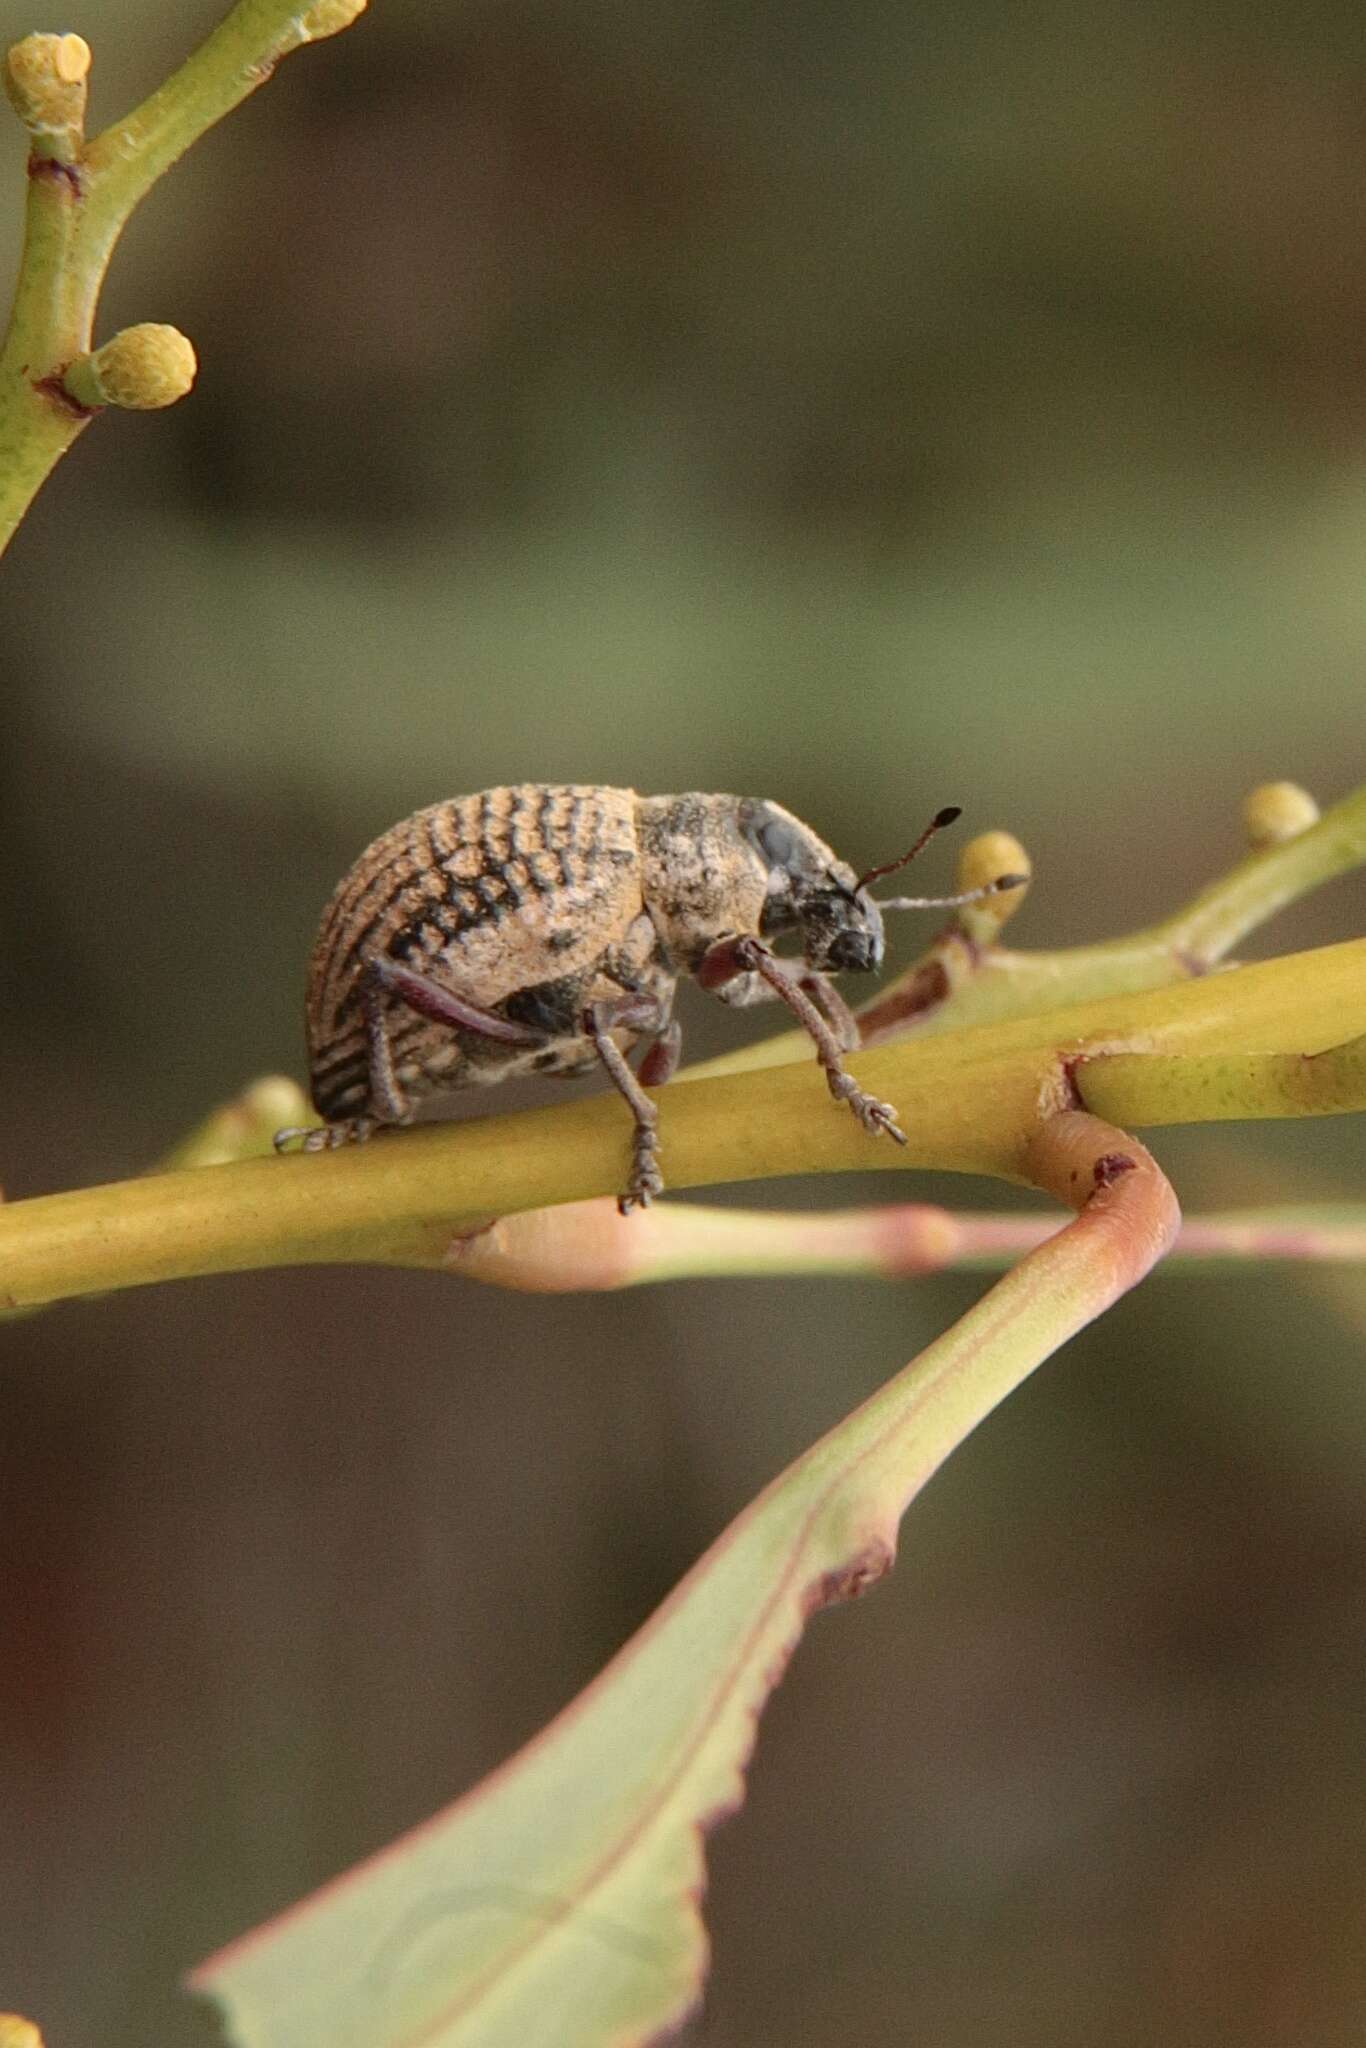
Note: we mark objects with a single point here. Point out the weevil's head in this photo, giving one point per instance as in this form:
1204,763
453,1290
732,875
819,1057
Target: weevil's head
812,894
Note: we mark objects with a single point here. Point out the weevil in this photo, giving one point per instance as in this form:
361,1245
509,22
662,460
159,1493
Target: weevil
542,929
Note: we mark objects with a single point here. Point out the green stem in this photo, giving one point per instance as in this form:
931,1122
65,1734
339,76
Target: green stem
46,303
586,1248
75,214
125,161
1206,930
1300,1234
49,324
1178,1089
971,1104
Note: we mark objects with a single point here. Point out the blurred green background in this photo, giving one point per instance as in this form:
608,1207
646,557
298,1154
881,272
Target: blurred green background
866,406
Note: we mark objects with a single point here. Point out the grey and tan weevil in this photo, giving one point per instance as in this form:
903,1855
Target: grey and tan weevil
542,928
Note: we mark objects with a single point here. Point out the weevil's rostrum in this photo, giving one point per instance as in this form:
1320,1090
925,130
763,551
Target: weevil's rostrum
542,929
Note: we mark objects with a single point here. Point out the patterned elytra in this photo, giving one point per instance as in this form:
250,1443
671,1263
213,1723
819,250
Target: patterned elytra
514,895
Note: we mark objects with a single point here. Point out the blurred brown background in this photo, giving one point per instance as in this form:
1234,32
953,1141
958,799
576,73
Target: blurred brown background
866,406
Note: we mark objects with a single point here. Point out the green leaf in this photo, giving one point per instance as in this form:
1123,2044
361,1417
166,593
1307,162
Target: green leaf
557,1905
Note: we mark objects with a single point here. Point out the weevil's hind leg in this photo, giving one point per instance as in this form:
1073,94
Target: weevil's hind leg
388,1103
442,1004
729,957
381,977
637,1013
386,1096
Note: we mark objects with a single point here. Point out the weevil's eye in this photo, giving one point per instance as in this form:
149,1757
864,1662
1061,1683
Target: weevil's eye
772,838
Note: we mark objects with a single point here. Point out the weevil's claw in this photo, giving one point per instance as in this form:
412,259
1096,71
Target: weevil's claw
877,1118
352,1130
646,1179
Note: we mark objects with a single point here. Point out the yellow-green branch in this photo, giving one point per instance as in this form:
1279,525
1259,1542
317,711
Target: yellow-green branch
971,1103
587,1248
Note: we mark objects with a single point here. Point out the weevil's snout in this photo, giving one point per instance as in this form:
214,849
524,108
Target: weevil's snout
843,934
855,952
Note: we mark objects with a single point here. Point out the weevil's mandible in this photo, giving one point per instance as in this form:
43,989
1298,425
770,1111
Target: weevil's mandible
541,929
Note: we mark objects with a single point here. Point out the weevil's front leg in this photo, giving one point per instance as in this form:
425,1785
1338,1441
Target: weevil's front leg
729,957
381,978
635,1013
833,1008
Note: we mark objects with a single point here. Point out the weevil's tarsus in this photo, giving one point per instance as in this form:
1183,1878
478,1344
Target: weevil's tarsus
351,1130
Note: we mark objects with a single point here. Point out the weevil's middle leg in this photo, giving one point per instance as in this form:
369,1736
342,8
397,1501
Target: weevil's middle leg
636,1013
744,955
660,1063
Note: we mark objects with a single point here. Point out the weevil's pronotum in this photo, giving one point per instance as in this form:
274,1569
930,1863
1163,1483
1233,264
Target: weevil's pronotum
541,929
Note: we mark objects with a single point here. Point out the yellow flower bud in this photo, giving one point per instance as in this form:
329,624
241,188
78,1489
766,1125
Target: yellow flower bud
329,17
141,368
1276,811
981,861
991,854
274,1100
45,77
18,2033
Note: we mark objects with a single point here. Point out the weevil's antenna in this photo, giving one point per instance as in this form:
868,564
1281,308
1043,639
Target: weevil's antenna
995,888
936,824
